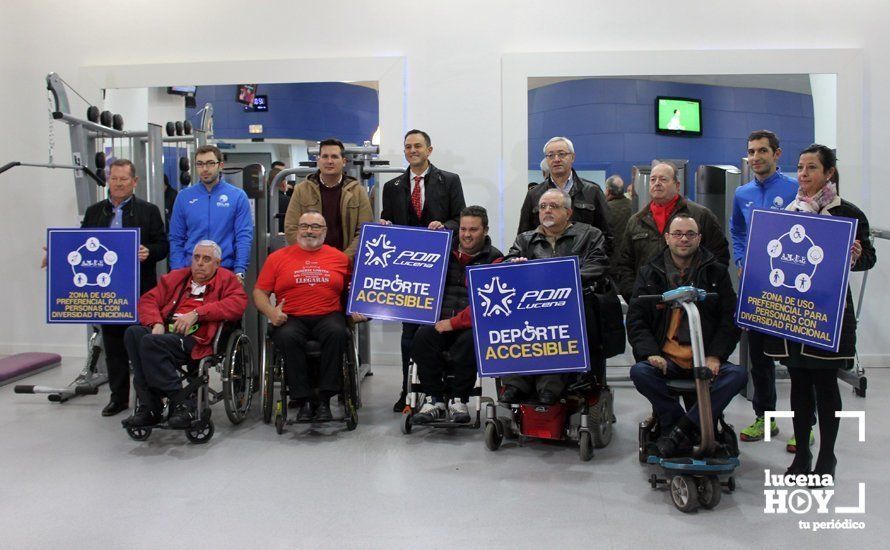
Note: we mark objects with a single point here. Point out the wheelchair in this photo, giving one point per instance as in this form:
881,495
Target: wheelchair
233,358
415,396
273,374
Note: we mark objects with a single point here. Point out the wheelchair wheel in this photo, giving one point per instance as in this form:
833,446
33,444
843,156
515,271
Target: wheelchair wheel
200,435
279,424
350,390
585,446
493,437
405,423
269,369
709,491
601,420
684,493
139,434
238,385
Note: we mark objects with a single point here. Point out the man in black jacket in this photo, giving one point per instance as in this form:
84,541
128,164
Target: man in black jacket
423,196
556,237
660,337
453,331
123,209
588,201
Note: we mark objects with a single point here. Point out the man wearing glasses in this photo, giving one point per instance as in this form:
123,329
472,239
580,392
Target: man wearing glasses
588,200
660,336
215,210
643,237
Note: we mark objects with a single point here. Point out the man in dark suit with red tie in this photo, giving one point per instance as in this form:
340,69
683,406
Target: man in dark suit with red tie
423,196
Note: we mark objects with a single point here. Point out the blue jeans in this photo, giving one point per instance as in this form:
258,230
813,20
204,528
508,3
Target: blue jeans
650,382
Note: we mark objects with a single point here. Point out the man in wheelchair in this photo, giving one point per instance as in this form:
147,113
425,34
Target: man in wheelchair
179,320
308,279
452,333
557,236
660,336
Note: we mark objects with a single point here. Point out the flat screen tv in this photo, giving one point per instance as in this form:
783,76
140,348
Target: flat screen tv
246,93
260,104
678,116
182,90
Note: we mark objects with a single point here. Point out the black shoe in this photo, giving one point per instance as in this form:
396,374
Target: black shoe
512,394
323,412
400,404
306,413
547,397
113,407
825,466
143,417
182,417
679,442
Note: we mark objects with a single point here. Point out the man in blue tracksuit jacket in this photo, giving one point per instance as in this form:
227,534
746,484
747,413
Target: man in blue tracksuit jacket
214,210
769,189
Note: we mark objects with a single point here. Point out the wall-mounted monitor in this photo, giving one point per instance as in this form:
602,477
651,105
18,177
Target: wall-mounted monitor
182,90
678,116
246,93
260,104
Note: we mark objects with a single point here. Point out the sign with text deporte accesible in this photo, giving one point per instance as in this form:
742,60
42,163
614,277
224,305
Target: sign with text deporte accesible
399,273
794,282
528,317
92,275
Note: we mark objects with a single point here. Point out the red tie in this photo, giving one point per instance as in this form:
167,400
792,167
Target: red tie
416,196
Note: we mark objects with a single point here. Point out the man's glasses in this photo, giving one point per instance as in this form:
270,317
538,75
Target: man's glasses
557,155
312,226
551,206
208,164
679,235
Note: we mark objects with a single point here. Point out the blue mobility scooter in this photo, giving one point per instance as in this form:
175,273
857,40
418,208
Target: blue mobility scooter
693,480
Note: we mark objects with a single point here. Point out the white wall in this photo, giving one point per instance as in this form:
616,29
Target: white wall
452,82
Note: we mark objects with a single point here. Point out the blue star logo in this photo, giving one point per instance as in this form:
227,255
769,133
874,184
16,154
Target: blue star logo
496,297
378,251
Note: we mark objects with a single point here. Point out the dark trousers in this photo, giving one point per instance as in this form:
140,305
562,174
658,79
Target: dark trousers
532,385
117,362
408,332
650,382
815,389
290,339
433,370
763,375
156,360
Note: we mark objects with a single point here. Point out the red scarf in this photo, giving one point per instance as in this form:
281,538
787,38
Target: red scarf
661,213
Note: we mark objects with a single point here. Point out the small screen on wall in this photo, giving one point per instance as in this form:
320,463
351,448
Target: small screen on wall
260,104
246,93
678,116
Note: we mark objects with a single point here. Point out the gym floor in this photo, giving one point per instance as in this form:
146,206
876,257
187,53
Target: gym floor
74,479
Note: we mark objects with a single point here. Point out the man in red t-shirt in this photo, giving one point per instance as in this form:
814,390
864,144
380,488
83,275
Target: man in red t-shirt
308,278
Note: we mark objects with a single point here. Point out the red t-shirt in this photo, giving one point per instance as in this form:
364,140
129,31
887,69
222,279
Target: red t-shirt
310,283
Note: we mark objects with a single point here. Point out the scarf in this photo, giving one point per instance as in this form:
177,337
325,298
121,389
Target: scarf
817,202
662,212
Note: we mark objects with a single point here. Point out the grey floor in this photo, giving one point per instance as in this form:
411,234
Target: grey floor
72,479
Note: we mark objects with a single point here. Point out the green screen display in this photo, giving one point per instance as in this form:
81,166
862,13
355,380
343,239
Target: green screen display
679,116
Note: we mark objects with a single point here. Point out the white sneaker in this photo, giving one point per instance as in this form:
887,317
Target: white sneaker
460,413
429,412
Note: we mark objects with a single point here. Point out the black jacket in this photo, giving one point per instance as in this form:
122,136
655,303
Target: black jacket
443,200
580,239
588,206
455,297
778,347
145,216
647,324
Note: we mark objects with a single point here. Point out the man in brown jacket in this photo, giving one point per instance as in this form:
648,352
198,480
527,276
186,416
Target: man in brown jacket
342,200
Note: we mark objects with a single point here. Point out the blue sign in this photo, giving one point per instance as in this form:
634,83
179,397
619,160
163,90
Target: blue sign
399,273
92,275
528,317
794,284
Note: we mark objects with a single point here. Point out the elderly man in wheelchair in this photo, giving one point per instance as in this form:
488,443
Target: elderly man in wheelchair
308,280
181,320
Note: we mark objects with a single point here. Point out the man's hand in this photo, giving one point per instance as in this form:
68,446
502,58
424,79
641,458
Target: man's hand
855,252
184,322
358,318
518,260
435,225
444,326
240,278
740,272
713,363
157,328
43,261
658,362
384,222
278,317
143,253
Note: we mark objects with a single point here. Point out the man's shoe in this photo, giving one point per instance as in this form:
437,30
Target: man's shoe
306,414
460,413
512,394
113,407
182,417
143,417
679,442
547,397
791,447
323,411
400,404
431,411
755,431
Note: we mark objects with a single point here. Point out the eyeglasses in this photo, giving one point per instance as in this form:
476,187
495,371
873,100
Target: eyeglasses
558,155
312,226
689,235
208,164
550,206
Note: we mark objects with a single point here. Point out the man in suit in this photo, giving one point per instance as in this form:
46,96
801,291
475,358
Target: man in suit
423,196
